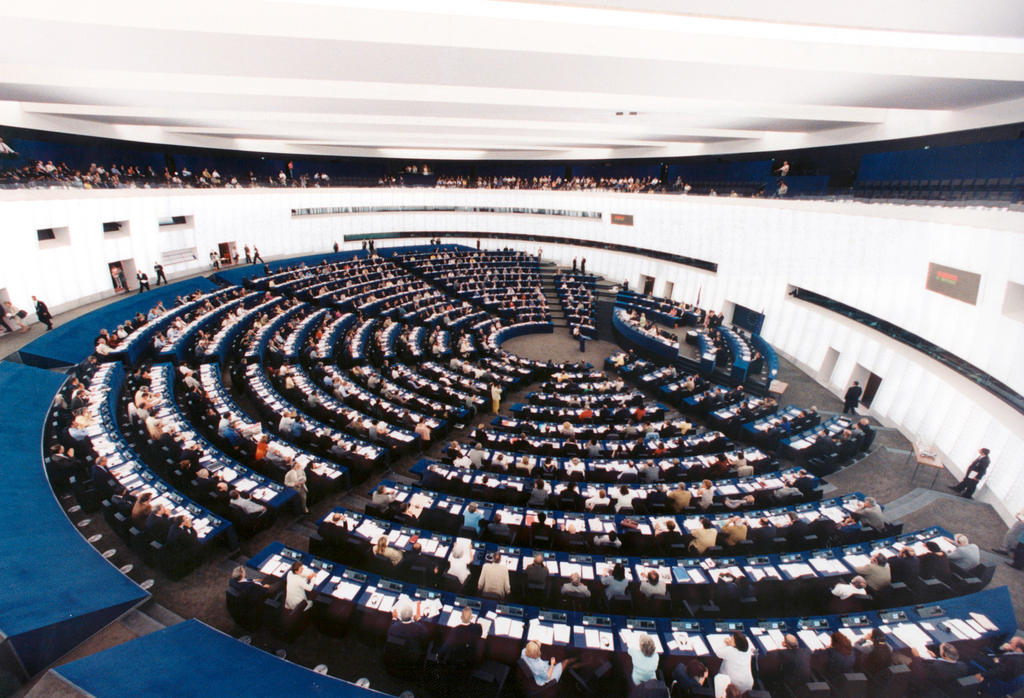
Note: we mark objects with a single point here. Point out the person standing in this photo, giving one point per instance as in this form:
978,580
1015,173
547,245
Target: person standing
15,319
158,269
975,471
583,265
248,255
256,254
580,338
296,479
495,397
336,247
852,398
143,279
43,313
1011,537
573,265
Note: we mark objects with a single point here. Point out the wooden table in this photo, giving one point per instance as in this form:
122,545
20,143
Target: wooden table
928,457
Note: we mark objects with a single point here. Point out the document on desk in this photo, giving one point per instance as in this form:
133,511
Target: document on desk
567,569
270,566
912,636
563,633
984,621
828,565
320,576
717,642
797,569
813,640
592,638
346,591
502,626
857,560
544,634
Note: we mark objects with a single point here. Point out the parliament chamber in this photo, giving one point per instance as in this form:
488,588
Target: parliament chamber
512,349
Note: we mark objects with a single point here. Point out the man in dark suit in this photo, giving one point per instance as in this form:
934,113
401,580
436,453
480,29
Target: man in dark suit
43,313
669,537
333,530
796,662
1009,666
158,269
852,398
407,626
657,497
763,534
417,559
570,499
944,668
975,471
158,525
460,645
251,592
798,529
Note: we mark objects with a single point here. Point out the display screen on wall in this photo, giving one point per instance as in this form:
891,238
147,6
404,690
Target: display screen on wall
748,319
622,219
955,283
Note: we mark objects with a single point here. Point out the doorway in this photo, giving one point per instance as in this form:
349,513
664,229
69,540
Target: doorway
870,388
122,275
228,253
828,365
648,283
670,288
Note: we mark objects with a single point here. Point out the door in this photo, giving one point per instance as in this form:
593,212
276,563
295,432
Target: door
870,388
828,365
670,288
226,251
648,282
122,275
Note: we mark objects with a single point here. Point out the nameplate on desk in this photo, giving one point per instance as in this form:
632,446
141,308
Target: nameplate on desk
812,623
930,611
510,610
854,621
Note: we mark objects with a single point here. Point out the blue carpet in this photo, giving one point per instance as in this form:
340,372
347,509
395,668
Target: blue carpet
71,342
193,659
56,589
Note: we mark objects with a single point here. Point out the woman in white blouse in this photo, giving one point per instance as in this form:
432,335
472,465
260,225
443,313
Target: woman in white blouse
458,561
737,656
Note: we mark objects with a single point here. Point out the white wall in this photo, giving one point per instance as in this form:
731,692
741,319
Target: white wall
872,257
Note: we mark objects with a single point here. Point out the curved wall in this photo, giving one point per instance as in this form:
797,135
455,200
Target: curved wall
872,257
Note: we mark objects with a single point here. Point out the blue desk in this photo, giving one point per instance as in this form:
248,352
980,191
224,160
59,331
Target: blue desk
73,341
192,659
641,340
57,589
374,596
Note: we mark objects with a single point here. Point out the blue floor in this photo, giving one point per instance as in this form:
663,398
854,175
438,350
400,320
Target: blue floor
55,589
193,659
71,342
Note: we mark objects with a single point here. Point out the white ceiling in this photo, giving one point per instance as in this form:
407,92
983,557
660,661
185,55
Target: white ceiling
497,79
